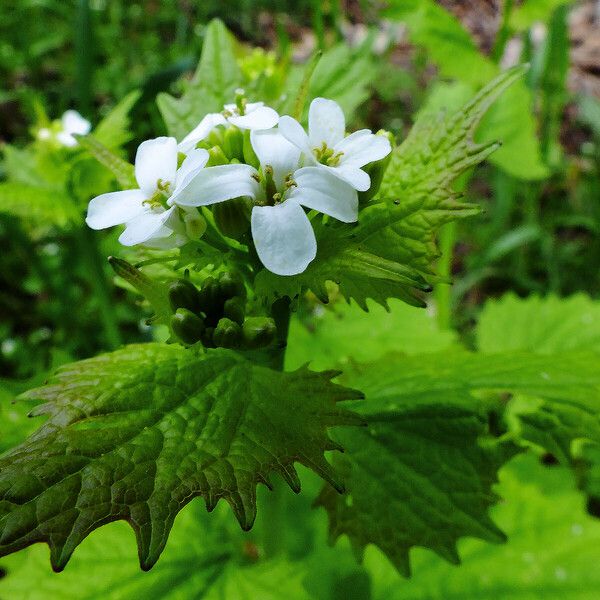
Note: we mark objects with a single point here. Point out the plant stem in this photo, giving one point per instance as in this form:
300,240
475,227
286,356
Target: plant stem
275,502
84,45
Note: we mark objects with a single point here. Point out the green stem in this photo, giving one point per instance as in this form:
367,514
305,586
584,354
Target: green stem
504,32
84,45
275,504
443,291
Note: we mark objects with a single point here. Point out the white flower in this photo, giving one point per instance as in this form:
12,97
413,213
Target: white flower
252,115
281,230
72,123
148,212
326,146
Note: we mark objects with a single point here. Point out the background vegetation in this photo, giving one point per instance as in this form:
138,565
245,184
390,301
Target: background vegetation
525,272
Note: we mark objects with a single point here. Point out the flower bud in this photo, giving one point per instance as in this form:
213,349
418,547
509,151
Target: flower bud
376,170
233,143
216,157
258,331
211,300
249,154
183,294
232,217
228,334
235,309
188,327
195,225
232,284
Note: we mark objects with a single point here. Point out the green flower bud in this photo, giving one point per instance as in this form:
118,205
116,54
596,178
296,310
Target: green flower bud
249,154
228,334
195,225
211,300
232,217
232,284
216,157
216,136
188,327
376,170
235,309
183,294
233,143
258,331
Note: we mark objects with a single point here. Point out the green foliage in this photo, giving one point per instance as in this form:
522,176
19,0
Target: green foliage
114,130
204,558
453,51
138,433
390,252
421,473
568,427
213,84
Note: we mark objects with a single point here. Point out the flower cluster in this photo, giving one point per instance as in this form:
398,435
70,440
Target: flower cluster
268,164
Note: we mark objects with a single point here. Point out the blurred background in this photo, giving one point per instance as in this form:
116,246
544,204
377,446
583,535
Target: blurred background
385,63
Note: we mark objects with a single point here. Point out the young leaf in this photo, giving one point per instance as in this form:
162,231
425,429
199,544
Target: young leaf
421,474
391,250
213,84
113,130
138,433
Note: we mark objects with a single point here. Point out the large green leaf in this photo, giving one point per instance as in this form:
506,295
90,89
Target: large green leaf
113,131
204,559
553,549
213,84
454,52
421,473
568,427
136,434
391,250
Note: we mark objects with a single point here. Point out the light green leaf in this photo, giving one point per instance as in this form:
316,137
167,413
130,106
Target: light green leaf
342,333
421,473
113,131
39,206
530,11
567,427
213,85
138,433
452,49
391,251
547,325
204,559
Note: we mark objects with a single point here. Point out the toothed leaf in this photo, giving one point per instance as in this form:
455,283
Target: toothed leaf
136,434
391,251
421,473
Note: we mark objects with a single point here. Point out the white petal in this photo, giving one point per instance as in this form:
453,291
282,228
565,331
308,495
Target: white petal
357,178
156,159
284,238
208,123
114,208
326,123
66,139
321,190
73,122
292,131
262,117
216,184
273,149
194,161
363,147
145,227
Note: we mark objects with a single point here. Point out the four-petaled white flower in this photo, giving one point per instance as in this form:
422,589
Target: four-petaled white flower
326,146
148,213
251,115
282,233
71,123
